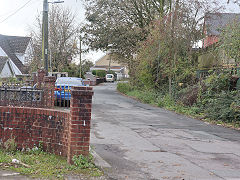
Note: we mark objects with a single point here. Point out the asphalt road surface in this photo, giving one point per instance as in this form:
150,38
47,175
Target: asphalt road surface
139,141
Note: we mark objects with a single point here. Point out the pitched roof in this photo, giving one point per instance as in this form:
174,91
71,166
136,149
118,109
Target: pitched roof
3,61
108,59
214,22
12,45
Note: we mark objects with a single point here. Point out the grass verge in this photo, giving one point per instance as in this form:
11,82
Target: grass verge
39,164
165,101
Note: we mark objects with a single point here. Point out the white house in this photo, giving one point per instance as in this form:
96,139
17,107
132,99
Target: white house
15,53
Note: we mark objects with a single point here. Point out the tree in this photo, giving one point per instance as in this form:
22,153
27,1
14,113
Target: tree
86,65
118,26
63,34
166,57
74,69
230,41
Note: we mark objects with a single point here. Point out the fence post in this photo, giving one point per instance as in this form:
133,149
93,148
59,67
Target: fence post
49,86
80,122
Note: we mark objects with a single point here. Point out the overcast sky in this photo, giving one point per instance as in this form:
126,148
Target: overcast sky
18,23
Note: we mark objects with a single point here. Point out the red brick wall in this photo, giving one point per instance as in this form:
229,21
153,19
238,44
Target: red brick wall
209,40
89,82
29,126
62,133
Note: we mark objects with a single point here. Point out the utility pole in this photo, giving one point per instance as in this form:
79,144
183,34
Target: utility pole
45,35
45,32
80,56
110,61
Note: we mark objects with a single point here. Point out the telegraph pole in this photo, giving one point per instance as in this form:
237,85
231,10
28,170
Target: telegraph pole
45,35
80,56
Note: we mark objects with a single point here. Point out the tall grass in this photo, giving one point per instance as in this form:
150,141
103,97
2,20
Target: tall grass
156,98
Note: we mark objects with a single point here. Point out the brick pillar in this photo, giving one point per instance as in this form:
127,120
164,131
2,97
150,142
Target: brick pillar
40,76
80,121
49,86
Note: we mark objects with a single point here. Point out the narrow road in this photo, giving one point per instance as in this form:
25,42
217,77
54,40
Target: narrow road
139,141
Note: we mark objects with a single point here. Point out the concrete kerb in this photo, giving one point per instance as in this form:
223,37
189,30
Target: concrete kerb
99,161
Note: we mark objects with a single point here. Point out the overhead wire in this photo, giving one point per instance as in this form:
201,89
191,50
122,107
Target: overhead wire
12,14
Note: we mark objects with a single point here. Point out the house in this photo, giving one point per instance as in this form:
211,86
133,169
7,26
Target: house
209,58
6,69
108,62
15,53
213,23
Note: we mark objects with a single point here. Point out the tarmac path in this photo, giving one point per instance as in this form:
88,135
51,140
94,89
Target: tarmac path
138,141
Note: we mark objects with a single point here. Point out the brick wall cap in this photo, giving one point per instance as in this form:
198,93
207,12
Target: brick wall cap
49,79
83,88
81,93
41,71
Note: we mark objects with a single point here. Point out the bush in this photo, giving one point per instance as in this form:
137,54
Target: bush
124,87
94,72
111,72
188,96
216,83
221,107
99,73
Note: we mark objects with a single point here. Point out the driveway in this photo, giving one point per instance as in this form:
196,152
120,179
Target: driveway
139,141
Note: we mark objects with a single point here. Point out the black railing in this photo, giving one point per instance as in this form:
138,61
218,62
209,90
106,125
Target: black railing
17,95
62,96
28,96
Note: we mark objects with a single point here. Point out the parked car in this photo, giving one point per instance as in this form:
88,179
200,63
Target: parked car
110,78
63,89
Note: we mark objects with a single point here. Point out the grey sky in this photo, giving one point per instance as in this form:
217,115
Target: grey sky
19,23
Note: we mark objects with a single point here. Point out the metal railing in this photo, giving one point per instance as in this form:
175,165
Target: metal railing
17,95
28,96
62,96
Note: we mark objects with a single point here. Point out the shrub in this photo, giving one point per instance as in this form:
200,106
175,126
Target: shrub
222,106
124,87
218,82
111,72
94,72
99,73
188,96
